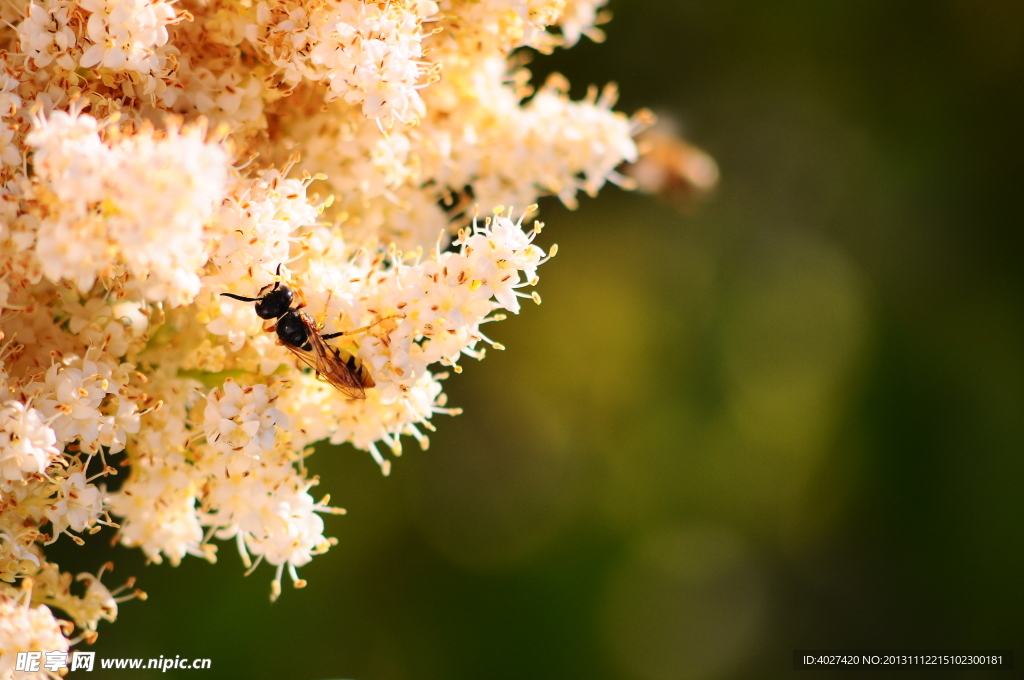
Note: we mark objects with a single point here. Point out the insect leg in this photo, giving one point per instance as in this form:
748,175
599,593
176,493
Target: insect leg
302,299
327,305
358,330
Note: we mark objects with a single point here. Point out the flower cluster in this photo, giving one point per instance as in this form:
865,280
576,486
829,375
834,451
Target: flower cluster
92,212
155,156
368,54
24,628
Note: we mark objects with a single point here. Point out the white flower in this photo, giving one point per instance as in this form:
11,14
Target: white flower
24,628
502,25
292,533
18,550
511,153
124,34
369,54
241,423
27,444
255,229
10,100
580,18
10,154
79,504
159,511
142,201
46,35
71,397
224,92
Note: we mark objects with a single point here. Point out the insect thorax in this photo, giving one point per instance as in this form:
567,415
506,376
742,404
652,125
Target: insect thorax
293,331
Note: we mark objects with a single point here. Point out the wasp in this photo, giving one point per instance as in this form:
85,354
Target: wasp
671,167
297,331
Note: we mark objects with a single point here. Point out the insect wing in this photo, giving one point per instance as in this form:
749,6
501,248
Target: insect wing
346,376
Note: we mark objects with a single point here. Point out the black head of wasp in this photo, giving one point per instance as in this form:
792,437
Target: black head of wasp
298,332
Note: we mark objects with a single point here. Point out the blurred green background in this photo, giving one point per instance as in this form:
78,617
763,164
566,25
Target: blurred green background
790,419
